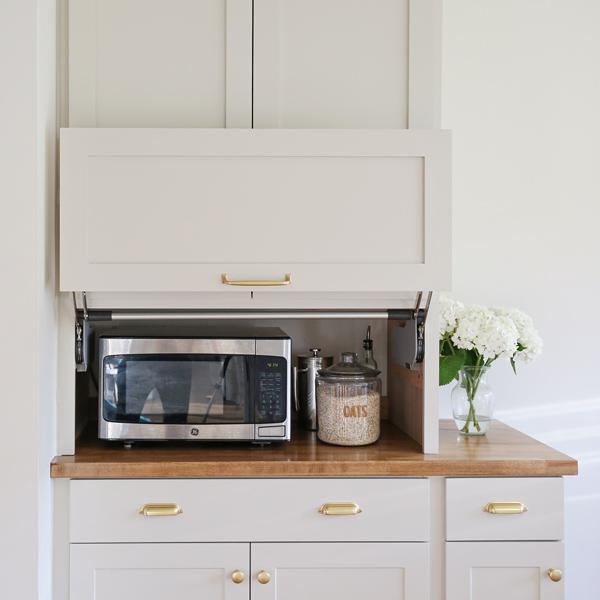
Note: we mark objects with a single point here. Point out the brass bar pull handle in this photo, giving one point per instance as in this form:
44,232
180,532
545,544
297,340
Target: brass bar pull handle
505,508
286,281
160,510
340,508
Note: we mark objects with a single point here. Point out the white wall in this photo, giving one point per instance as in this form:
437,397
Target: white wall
27,322
47,339
521,92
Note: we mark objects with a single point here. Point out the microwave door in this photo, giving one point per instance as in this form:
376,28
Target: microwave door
221,391
147,390
182,389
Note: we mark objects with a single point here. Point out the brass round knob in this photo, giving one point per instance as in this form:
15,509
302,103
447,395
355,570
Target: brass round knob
555,574
237,576
263,577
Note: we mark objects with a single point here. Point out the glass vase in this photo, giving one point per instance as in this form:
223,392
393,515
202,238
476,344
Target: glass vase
472,401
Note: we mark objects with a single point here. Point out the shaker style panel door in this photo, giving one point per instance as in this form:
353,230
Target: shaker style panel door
385,571
501,570
340,64
158,571
159,63
157,210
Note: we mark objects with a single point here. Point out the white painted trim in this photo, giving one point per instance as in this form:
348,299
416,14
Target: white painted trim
437,543
60,554
66,376
82,63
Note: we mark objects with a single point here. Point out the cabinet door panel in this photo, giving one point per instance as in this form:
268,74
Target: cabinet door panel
158,571
158,63
340,64
501,570
348,571
174,209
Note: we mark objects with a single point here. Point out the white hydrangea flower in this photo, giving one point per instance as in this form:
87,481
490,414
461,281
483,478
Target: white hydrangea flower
491,335
528,336
450,311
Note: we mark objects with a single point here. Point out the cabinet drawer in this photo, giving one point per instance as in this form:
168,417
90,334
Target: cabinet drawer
237,510
542,497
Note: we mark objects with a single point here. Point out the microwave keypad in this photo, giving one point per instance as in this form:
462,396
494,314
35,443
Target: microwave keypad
270,402
271,398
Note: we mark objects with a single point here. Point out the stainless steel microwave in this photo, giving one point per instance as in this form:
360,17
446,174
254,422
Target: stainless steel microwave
213,385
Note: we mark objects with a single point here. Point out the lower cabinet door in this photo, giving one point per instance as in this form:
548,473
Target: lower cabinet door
159,571
504,570
348,571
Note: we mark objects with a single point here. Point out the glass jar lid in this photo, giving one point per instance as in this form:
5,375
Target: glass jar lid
349,367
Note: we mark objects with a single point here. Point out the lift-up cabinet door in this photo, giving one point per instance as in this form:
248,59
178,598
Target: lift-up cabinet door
153,210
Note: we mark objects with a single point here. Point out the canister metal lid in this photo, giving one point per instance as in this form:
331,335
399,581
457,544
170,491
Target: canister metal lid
349,367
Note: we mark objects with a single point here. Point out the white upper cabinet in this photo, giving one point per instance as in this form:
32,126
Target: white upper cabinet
165,186
159,63
341,64
156,210
255,63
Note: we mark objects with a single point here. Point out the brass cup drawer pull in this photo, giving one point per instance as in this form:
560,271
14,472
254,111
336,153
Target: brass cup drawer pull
160,510
286,281
505,508
340,508
555,574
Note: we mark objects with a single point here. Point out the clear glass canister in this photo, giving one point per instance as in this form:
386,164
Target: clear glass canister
348,403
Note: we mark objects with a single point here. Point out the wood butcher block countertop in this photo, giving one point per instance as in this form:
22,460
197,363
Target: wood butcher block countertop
503,451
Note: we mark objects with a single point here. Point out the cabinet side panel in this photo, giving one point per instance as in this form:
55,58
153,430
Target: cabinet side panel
65,393
431,380
405,393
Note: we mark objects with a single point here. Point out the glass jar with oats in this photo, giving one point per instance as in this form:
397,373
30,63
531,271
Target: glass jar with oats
348,400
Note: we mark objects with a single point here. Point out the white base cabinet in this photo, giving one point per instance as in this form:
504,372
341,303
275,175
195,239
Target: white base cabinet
502,538
317,538
297,571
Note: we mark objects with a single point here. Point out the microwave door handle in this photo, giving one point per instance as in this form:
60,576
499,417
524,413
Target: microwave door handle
295,385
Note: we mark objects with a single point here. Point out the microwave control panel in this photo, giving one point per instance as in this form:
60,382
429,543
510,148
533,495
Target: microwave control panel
271,387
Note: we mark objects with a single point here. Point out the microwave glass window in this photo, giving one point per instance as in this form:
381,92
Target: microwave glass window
185,388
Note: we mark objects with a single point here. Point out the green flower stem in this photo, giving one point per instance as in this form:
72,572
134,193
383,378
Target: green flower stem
471,385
